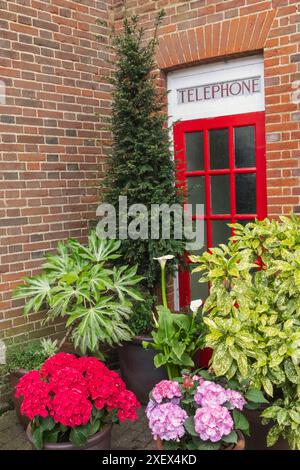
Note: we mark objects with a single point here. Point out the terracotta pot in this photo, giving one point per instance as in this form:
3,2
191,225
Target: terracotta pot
137,368
240,445
99,441
14,378
258,438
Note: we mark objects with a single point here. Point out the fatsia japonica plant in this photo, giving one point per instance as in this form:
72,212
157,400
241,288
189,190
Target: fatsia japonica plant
252,316
81,284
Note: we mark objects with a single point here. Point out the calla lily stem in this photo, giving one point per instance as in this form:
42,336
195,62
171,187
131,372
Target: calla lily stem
163,287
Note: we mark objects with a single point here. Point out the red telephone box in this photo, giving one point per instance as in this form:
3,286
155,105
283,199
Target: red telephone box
221,163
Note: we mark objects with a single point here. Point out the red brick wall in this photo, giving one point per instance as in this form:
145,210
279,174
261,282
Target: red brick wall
50,162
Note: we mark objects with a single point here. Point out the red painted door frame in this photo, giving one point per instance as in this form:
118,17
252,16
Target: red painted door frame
205,125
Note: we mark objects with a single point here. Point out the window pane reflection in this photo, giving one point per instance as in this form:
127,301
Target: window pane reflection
220,194
194,151
219,149
245,193
196,192
244,138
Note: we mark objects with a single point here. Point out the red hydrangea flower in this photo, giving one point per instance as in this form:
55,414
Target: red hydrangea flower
67,378
71,408
106,386
58,361
27,381
90,365
127,404
69,388
36,395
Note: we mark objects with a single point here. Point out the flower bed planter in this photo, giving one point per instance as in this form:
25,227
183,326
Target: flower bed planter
100,441
240,445
137,368
14,378
71,403
258,438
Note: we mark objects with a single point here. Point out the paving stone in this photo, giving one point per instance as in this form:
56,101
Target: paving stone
135,436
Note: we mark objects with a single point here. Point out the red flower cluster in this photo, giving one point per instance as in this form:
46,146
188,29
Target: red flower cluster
67,388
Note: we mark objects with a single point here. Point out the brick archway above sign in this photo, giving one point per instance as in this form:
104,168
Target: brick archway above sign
238,35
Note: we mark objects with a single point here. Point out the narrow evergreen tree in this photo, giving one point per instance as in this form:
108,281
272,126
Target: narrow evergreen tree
141,165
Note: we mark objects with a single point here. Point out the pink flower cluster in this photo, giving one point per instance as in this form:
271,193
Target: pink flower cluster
166,389
166,421
67,388
210,393
166,413
235,399
213,422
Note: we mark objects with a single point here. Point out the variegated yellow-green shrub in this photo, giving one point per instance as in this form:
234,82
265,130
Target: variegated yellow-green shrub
252,315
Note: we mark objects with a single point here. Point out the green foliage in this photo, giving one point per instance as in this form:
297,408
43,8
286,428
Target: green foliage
176,339
81,284
141,320
141,166
285,416
30,355
253,311
46,430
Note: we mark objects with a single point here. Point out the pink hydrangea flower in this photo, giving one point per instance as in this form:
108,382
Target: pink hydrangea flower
210,393
213,422
198,378
166,389
235,399
166,421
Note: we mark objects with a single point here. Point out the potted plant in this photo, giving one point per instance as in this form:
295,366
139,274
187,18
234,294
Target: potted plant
252,317
20,359
141,170
136,363
82,284
176,337
197,413
72,402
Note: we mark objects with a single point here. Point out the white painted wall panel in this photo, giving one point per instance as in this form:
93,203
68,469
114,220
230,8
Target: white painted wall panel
214,73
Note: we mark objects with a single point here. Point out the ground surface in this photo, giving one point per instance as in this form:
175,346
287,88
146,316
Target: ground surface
126,437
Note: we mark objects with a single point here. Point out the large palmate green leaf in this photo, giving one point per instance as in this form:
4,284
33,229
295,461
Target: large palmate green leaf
37,289
82,283
124,278
99,249
104,323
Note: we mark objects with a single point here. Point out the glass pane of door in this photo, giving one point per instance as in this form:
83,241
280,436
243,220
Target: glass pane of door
219,149
244,138
194,151
220,194
220,231
199,290
245,193
196,192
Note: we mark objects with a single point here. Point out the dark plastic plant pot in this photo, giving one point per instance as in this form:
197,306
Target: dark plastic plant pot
240,445
14,378
137,368
99,441
258,438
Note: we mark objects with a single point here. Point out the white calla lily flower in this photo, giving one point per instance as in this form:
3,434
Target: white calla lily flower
163,260
195,304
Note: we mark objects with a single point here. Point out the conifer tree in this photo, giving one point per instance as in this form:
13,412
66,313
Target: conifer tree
140,164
